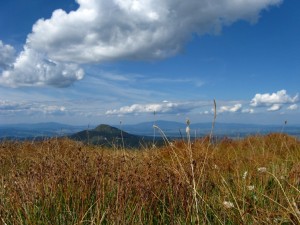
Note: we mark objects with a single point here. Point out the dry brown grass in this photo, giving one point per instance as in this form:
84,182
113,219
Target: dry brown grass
60,181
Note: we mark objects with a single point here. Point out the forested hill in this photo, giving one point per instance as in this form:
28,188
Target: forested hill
110,136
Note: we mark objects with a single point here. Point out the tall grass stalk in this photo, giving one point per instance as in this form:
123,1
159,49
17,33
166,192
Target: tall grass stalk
121,130
188,133
214,120
154,129
292,207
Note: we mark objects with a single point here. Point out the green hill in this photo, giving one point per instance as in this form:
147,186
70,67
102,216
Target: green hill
110,136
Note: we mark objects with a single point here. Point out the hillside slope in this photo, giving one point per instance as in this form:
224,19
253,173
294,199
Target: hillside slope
110,136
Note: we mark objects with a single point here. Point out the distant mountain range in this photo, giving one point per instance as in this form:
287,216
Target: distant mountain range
175,129
138,132
21,131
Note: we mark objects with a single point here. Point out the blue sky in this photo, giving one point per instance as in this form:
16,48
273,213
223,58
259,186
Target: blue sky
91,62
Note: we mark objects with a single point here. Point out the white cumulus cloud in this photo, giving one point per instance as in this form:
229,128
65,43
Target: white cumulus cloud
235,108
33,69
293,107
274,107
7,55
273,101
102,30
248,111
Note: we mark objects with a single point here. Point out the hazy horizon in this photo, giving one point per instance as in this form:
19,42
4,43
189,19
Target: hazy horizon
121,123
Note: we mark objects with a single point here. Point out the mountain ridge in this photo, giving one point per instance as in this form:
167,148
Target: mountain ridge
171,128
221,129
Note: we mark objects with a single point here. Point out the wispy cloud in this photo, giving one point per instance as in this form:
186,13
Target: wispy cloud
118,91
102,30
117,77
13,106
194,82
21,108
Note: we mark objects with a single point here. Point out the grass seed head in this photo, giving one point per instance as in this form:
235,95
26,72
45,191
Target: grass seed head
245,175
262,169
228,204
250,187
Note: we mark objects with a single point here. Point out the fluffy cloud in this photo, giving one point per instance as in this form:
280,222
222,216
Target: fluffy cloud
164,107
105,30
293,107
7,55
101,30
274,101
33,69
248,111
235,108
274,107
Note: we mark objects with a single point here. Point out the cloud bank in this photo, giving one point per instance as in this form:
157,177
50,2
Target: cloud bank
164,107
101,30
10,108
177,108
271,102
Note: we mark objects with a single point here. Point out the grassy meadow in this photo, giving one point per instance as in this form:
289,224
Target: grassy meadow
255,180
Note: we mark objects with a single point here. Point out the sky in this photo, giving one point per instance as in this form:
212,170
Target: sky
97,61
